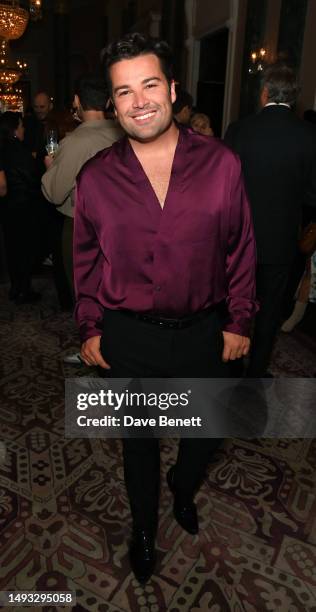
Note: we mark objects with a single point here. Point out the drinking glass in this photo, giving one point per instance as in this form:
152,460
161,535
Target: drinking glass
51,142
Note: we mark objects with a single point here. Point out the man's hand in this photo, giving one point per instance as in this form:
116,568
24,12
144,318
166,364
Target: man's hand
48,160
235,346
91,354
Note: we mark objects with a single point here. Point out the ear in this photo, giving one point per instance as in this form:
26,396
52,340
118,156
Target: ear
173,94
115,111
76,101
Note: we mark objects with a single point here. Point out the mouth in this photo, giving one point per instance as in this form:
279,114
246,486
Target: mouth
144,118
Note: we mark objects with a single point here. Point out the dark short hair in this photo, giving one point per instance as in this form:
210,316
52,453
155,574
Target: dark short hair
183,99
92,92
281,82
9,122
134,45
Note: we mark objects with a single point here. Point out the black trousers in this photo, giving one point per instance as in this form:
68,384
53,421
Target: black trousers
55,222
271,286
20,242
135,348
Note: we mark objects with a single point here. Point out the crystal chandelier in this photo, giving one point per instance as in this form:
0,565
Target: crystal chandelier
14,18
10,71
11,98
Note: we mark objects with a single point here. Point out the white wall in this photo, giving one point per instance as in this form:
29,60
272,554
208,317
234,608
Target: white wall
209,15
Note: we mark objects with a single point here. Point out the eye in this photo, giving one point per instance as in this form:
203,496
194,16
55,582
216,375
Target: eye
124,92
150,85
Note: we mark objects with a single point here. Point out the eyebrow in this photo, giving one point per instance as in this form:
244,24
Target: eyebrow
144,82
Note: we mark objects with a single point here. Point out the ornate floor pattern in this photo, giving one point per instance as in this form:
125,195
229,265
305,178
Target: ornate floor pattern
64,519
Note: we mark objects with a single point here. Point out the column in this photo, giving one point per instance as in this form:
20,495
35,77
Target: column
172,30
61,47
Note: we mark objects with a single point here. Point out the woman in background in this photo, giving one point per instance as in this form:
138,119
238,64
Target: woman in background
306,292
21,208
201,123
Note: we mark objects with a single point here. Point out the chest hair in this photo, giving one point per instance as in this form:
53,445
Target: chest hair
158,172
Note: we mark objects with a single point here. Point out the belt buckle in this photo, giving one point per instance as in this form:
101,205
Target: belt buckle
165,322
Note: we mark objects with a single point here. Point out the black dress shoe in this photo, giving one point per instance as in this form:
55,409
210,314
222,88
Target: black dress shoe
142,554
184,509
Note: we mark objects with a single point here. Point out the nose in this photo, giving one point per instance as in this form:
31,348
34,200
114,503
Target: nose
139,99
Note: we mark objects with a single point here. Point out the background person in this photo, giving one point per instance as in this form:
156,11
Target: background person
302,299
182,107
278,156
93,134
37,123
22,208
37,126
201,123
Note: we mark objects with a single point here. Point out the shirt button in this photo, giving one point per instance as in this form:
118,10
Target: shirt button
157,288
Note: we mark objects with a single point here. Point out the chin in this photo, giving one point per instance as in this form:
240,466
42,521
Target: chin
149,134
143,135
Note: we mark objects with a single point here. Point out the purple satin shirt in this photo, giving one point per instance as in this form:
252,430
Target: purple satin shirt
198,251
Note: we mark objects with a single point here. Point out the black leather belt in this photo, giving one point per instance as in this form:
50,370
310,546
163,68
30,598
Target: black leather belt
169,322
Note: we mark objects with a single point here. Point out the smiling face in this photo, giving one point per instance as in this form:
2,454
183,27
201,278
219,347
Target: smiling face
142,97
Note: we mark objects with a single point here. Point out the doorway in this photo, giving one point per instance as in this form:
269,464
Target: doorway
212,73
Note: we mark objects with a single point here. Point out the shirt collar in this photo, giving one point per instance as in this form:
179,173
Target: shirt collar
277,104
130,160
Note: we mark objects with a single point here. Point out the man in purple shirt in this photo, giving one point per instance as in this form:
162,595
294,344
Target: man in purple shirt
163,239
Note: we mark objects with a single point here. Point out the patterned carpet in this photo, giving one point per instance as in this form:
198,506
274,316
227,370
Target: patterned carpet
64,518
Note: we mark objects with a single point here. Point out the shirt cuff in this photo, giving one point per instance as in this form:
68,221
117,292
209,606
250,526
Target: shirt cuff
89,329
239,316
241,328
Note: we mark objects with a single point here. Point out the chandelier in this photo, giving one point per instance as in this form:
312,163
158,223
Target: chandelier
14,18
35,10
11,98
10,71
258,59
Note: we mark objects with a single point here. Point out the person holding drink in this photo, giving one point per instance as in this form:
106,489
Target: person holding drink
51,142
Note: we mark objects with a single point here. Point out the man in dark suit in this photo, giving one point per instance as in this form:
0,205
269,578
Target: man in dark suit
278,155
50,225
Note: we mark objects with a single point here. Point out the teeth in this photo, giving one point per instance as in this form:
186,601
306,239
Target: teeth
143,117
